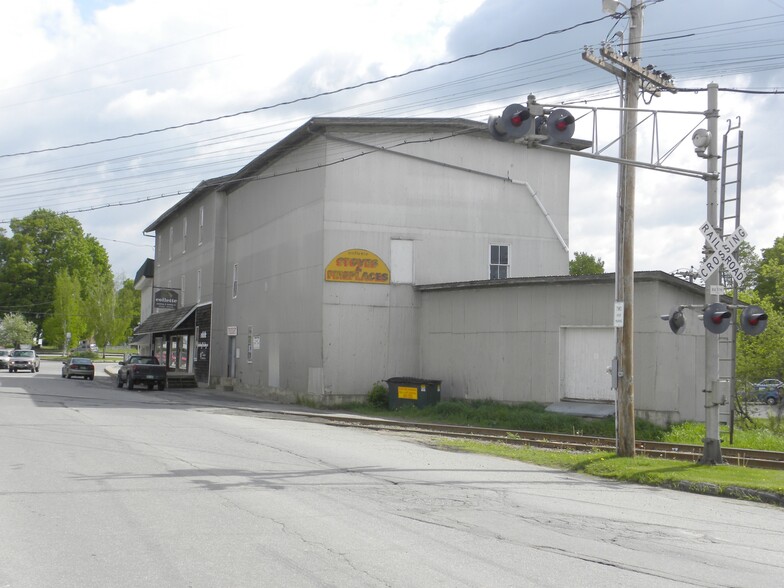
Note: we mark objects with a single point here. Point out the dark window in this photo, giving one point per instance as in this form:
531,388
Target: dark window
499,262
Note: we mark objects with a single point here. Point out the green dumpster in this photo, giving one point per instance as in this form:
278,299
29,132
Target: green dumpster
417,392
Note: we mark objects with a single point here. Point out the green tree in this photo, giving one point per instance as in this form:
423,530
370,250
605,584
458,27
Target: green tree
584,264
761,356
102,319
67,312
41,244
750,261
129,308
770,284
15,330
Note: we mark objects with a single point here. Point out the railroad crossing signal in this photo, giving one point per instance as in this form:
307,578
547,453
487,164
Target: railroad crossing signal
716,317
676,320
722,253
753,320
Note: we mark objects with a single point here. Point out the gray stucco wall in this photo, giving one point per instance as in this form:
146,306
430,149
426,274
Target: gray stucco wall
486,341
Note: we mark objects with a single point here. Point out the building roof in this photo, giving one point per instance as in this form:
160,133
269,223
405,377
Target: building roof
319,126
642,276
164,322
147,270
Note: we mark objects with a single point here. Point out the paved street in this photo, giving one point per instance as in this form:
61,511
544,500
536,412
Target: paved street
106,487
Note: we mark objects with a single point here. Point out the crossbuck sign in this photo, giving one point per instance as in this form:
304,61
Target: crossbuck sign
722,252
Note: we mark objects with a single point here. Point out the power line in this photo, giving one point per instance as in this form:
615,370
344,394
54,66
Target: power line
312,96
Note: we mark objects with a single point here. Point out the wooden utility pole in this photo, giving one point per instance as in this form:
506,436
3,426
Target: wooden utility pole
624,276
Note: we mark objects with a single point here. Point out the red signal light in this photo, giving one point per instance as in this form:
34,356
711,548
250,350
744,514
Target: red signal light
518,118
563,123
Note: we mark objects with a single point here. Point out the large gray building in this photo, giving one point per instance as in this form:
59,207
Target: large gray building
355,250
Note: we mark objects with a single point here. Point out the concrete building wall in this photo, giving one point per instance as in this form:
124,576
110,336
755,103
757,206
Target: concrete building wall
506,343
451,207
275,237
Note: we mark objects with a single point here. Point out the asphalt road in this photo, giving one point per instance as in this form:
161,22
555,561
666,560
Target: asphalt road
103,487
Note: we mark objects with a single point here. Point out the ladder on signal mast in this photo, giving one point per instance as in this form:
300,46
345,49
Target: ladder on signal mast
729,220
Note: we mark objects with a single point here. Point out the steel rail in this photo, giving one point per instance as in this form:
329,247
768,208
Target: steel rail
677,451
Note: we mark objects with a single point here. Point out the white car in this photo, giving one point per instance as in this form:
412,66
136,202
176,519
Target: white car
24,359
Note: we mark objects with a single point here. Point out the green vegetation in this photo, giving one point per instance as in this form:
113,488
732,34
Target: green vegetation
585,264
641,470
60,280
15,330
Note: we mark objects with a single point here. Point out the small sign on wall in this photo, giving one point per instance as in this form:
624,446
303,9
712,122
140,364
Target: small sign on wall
359,266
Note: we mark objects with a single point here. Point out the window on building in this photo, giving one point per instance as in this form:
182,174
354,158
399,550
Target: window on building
402,265
198,286
499,262
234,284
171,241
184,234
201,224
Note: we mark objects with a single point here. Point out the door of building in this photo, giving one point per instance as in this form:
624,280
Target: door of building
585,354
232,367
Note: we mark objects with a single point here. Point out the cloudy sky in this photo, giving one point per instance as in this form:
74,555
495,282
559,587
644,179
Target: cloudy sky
111,110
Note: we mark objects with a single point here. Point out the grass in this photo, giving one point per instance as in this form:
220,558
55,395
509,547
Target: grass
641,470
767,434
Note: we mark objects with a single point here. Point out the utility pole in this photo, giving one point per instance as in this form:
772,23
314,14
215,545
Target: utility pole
712,449
624,271
625,66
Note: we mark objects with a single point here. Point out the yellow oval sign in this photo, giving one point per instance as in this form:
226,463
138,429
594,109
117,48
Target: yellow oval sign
357,265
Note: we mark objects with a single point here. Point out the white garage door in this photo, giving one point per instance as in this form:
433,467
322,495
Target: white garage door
585,354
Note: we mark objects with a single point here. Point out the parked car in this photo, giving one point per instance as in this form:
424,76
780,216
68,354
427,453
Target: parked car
4,355
79,366
85,348
141,369
769,391
24,359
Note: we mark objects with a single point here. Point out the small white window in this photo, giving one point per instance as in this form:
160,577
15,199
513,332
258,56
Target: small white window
234,284
201,224
198,286
184,234
171,241
499,262
402,261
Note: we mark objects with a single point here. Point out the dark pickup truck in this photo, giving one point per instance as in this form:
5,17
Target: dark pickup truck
141,370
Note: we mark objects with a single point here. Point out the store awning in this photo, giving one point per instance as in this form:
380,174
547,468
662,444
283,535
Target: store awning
167,322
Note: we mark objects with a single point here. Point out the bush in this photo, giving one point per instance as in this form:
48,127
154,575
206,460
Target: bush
378,396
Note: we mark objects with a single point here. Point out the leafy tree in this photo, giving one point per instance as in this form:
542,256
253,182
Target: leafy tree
761,356
42,244
129,308
102,319
771,274
16,331
584,264
750,261
67,312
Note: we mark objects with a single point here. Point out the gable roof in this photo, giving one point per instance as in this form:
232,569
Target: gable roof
321,125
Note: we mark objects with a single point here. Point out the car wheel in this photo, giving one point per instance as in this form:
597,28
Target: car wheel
90,377
130,384
69,376
38,369
119,382
62,375
150,386
771,400
161,385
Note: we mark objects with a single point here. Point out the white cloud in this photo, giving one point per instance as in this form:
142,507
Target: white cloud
91,69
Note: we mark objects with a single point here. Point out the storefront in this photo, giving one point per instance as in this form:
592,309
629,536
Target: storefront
180,339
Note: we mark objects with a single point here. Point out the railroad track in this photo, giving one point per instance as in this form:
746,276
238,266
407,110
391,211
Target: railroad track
744,457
